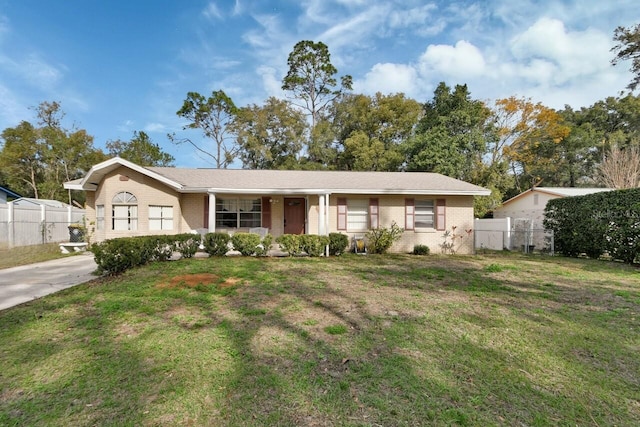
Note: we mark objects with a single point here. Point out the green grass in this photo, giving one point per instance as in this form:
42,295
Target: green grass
22,255
355,340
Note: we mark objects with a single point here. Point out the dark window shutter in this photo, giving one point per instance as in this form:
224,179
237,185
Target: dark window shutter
409,214
266,212
374,221
342,213
441,214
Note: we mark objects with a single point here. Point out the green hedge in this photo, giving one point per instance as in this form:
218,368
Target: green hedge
597,223
115,256
216,244
338,243
297,244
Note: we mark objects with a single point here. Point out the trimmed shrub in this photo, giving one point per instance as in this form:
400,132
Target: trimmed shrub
313,244
338,243
421,250
264,246
380,240
245,243
118,255
291,243
187,244
216,244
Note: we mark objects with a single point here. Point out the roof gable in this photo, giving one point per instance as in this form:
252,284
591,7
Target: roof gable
557,191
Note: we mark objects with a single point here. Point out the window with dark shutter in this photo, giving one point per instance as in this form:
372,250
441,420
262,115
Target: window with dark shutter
409,214
373,214
342,213
441,214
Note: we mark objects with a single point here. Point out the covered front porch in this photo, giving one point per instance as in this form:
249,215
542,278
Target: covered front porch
278,213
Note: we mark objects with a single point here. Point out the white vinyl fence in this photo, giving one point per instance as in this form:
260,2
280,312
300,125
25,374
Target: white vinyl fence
513,234
35,225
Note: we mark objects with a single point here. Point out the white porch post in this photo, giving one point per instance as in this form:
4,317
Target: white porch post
212,213
321,215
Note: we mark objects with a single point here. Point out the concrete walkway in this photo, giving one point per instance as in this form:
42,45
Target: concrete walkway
28,282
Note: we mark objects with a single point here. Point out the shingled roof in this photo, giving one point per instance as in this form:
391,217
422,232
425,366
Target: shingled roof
189,180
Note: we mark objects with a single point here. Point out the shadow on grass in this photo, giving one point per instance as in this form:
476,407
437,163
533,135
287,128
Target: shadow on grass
427,340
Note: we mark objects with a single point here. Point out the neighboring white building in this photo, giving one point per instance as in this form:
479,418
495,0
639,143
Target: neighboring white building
30,201
530,204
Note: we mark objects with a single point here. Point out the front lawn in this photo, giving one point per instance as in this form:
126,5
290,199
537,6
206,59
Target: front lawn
393,340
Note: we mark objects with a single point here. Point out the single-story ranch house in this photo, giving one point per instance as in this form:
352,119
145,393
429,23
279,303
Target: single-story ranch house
125,199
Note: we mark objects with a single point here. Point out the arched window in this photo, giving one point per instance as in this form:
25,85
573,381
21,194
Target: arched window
124,212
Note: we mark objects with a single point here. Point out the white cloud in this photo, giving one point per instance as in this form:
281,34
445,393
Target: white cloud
271,83
388,78
573,53
460,61
403,18
212,12
356,28
155,127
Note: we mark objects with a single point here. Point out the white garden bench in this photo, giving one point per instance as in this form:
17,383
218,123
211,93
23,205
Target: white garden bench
70,247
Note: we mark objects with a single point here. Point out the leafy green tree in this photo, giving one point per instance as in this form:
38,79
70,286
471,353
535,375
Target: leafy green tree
628,49
20,159
370,130
620,115
455,137
38,160
311,78
213,116
452,135
270,136
140,150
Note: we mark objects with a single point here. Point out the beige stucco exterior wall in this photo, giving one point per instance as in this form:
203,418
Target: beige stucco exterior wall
147,191
189,212
525,207
458,211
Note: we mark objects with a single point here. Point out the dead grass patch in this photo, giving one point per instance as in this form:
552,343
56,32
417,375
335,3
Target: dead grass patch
198,279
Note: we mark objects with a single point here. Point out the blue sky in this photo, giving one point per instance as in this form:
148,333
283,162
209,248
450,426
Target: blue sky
124,65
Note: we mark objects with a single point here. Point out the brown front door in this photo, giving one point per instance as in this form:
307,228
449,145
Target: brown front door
294,215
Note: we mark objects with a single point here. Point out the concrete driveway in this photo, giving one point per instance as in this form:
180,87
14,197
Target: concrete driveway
28,282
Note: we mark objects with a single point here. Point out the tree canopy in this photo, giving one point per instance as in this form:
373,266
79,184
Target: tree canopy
311,78
213,116
628,49
140,150
37,160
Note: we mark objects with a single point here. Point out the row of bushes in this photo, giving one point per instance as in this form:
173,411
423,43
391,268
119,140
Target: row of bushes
595,224
115,256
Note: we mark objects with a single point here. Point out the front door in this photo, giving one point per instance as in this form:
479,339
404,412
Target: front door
294,215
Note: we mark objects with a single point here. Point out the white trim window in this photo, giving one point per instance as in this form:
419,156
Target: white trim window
99,217
357,214
160,217
124,212
424,214
238,213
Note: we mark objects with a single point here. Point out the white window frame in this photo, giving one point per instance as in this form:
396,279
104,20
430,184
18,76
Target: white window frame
357,215
242,209
99,217
124,212
160,217
424,214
